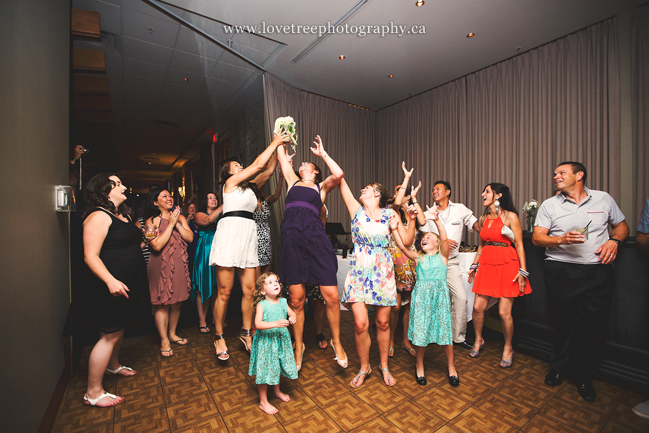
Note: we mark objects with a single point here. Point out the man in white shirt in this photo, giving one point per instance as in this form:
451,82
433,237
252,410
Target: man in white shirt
578,271
454,217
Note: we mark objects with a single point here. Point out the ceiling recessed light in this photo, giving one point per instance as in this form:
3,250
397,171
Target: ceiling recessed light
420,3
390,76
186,79
470,35
341,57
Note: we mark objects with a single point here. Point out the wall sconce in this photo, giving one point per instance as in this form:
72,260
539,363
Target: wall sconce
64,199
181,191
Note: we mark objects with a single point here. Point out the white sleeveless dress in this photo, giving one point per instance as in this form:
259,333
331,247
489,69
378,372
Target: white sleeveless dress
235,240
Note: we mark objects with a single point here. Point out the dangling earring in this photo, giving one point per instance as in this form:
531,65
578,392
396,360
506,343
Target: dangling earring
497,204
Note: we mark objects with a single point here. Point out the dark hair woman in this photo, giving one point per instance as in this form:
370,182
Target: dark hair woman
235,241
499,270
168,267
204,275
370,280
262,219
112,251
307,255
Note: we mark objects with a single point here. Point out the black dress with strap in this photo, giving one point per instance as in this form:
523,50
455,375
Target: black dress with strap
122,256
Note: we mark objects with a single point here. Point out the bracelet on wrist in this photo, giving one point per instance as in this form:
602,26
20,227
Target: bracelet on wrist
403,187
617,241
523,273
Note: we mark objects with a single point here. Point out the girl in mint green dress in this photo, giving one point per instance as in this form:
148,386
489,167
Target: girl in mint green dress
430,305
271,354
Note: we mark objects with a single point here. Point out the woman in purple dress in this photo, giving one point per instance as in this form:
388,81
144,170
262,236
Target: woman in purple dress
306,253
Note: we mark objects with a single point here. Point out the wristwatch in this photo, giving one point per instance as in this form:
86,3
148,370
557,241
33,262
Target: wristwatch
617,241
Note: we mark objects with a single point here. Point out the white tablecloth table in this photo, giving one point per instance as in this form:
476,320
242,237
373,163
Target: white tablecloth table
343,268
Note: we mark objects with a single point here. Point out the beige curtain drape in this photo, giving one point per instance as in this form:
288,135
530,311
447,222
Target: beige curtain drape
347,134
512,122
640,108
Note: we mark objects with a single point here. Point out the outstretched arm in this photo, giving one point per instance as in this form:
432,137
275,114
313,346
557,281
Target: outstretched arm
443,244
351,203
404,186
286,165
394,225
258,165
263,177
336,175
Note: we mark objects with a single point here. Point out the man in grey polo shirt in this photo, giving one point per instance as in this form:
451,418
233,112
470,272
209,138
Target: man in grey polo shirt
578,271
454,217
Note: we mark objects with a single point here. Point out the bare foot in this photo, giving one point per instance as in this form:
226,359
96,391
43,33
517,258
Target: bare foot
299,357
178,340
282,396
387,377
268,408
452,371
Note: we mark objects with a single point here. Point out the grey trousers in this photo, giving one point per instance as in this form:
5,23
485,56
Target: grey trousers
458,300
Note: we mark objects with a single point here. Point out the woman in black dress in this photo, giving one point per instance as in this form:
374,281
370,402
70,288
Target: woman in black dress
112,250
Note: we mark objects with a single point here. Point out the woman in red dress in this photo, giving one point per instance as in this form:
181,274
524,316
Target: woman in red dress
499,268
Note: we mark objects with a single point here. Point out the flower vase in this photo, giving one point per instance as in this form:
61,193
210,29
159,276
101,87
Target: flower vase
530,223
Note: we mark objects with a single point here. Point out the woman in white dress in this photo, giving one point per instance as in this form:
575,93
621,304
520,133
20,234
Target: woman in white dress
235,241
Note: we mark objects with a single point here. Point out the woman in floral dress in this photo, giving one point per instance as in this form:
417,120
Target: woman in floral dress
370,280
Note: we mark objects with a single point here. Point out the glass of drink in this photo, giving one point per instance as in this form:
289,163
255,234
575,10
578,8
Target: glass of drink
582,230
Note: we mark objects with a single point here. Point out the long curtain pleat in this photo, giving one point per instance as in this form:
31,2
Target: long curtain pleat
640,107
512,122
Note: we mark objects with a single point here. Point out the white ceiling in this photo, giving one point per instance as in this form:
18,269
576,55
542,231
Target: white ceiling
148,55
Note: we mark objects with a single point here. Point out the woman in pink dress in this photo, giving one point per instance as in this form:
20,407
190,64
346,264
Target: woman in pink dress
169,280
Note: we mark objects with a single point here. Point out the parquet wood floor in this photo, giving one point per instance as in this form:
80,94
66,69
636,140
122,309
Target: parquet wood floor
194,392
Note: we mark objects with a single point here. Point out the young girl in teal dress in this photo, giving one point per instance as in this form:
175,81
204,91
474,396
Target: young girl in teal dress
271,354
430,304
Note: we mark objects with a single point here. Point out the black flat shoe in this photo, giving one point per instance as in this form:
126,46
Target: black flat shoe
553,378
454,380
587,392
464,345
421,380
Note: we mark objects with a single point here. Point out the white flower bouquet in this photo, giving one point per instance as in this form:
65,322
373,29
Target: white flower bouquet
286,125
530,208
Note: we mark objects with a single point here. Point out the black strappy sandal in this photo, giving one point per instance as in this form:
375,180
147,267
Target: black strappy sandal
222,356
320,338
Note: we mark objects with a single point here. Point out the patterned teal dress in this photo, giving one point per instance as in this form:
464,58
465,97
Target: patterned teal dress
371,273
271,353
430,305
